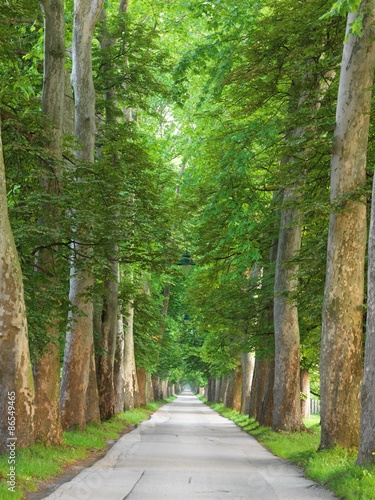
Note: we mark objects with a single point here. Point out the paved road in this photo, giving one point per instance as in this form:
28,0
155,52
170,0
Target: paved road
186,451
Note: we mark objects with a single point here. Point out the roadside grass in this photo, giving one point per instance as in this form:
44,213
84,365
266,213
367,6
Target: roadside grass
335,469
39,463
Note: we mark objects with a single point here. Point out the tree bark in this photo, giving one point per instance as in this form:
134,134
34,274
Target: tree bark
247,362
287,407
142,381
130,374
109,326
265,417
305,390
257,387
366,449
80,330
119,366
47,368
229,390
16,379
92,395
237,388
341,347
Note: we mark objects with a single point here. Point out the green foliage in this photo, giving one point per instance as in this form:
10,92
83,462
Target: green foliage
255,62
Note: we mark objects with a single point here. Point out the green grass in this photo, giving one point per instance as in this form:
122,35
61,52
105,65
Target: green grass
335,468
39,463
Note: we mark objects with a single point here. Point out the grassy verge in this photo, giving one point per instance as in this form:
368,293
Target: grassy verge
335,469
39,463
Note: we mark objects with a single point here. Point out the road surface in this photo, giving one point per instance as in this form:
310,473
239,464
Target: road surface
186,451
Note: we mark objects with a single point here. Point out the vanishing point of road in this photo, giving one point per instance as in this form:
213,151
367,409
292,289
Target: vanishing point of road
186,451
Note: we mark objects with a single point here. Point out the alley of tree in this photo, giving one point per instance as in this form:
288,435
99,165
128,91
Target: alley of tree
186,197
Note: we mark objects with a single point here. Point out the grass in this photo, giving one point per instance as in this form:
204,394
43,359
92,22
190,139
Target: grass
335,468
39,463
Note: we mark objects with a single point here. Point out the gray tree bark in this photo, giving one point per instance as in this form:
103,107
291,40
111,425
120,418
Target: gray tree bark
341,348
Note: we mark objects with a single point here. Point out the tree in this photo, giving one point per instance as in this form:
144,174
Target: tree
367,421
79,342
47,366
16,380
341,347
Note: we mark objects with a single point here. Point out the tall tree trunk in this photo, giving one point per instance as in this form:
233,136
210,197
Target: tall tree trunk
16,379
229,390
80,331
92,394
341,347
47,367
287,406
305,390
130,374
265,416
257,387
109,326
367,422
366,453
119,366
237,388
142,381
247,361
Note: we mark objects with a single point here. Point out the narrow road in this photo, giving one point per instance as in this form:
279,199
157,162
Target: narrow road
186,451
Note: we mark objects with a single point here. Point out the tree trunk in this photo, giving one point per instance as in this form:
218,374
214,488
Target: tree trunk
119,366
16,379
229,390
341,347
149,389
265,416
130,374
142,381
47,367
77,355
287,407
80,330
305,397
109,325
247,361
223,388
366,453
367,423
92,395
257,388
237,388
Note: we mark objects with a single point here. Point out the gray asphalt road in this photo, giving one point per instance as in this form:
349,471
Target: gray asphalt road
186,451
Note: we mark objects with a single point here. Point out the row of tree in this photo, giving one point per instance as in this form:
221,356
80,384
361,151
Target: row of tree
90,195
265,145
